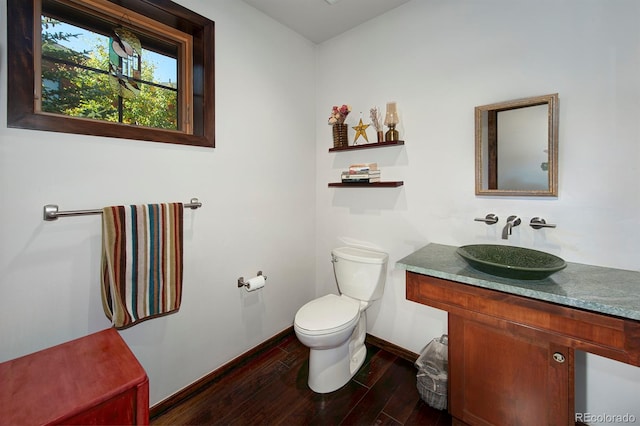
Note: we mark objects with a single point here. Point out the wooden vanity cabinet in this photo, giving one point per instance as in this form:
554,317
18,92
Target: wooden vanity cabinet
511,358
501,373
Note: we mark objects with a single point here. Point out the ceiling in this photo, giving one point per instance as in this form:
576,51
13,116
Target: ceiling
318,20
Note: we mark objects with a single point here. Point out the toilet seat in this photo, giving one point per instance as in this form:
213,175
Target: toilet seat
327,315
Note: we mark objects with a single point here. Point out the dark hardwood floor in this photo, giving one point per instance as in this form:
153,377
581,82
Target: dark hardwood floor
271,389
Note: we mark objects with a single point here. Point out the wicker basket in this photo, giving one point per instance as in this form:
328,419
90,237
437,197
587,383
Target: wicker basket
432,387
431,379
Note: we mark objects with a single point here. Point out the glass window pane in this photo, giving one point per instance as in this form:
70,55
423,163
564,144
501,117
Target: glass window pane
140,111
77,79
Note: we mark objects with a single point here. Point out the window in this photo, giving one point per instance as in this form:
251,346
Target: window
120,68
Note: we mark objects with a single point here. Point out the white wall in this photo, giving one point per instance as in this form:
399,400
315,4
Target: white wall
439,59
258,211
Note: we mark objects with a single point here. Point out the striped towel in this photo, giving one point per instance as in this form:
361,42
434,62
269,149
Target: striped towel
141,262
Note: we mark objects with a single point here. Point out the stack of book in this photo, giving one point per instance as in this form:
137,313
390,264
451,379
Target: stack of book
361,173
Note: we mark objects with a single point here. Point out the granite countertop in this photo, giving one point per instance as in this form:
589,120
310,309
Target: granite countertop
593,288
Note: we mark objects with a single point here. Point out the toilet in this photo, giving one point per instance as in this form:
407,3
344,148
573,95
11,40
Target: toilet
334,327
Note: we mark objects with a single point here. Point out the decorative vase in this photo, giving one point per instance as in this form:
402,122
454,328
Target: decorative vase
392,134
340,135
380,134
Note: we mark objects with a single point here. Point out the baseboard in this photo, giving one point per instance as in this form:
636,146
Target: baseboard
391,348
246,357
217,374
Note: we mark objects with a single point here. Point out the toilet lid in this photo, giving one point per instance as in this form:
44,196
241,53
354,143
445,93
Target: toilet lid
328,313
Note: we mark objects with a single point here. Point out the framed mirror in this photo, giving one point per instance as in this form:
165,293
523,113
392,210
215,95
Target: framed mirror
517,147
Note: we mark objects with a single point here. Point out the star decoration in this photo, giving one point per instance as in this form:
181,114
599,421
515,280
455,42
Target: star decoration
361,129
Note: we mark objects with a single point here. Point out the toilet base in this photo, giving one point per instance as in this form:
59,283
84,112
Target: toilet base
358,359
331,369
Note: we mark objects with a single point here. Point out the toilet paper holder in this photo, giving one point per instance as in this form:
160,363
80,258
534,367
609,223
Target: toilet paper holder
242,283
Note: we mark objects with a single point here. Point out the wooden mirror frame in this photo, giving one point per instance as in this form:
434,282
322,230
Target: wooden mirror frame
552,129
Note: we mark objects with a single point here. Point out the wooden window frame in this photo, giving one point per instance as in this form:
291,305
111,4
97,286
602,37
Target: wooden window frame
23,23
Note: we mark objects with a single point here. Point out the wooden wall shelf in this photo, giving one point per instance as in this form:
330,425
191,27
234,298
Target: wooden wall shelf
366,146
390,184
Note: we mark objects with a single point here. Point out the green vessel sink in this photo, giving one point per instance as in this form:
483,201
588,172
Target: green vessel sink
511,262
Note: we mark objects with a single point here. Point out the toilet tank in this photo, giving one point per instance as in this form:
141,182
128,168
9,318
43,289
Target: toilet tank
360,273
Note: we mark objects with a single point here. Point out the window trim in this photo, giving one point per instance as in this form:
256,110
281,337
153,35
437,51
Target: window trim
23,23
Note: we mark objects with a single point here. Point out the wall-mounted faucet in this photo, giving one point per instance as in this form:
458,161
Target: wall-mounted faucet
511,222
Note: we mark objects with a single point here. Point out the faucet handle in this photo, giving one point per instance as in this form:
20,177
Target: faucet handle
538,222
489,219
515,220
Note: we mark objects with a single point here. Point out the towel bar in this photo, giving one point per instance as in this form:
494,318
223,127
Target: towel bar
51,212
